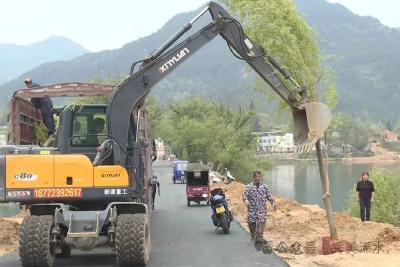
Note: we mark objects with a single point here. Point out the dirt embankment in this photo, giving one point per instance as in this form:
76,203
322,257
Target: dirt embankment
295,232
9,231
381,155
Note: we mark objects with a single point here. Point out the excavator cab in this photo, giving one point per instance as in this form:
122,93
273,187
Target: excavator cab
82,129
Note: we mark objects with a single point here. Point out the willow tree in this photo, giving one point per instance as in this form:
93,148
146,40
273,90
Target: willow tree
282,32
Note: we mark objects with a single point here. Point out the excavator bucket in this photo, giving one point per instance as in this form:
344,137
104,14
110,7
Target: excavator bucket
310,123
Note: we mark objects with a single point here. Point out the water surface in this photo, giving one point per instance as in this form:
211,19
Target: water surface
301,181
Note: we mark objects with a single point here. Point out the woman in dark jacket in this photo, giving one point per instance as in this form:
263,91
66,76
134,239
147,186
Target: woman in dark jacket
365,196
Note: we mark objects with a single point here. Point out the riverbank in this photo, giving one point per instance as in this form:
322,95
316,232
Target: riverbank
381,155
295,233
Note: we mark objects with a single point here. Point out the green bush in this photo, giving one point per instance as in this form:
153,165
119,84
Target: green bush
245,166
386,206
40,133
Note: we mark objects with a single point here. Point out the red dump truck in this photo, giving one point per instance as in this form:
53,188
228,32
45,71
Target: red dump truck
23,117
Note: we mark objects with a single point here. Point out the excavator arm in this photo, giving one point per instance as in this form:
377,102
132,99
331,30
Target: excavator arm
130,94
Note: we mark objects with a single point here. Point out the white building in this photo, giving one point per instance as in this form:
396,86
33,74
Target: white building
284,144
274,142
160,148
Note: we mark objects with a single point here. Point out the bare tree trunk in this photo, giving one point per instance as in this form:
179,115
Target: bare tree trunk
323,172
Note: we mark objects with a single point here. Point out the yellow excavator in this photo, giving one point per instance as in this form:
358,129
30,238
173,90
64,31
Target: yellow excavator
88,191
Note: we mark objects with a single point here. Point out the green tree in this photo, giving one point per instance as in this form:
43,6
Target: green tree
389,125
351,131
283,33
155,109
198,129
396,127
331,96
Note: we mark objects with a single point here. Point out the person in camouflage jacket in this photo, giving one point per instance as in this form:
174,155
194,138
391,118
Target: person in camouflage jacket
255,196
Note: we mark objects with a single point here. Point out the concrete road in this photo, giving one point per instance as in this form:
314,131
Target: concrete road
181,237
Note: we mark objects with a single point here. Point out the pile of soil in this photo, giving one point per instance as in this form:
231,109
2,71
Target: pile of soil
295,231
9,231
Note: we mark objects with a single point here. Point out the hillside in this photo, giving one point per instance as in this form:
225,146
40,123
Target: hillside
363,58
205,73
17,59
359,50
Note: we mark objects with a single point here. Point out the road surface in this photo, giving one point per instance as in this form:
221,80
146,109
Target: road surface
181,237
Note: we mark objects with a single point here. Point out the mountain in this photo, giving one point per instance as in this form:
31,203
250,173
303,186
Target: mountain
17,59
364,58
205,73
361,51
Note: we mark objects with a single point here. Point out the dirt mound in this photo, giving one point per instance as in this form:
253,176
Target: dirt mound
9,232
347,259
304,226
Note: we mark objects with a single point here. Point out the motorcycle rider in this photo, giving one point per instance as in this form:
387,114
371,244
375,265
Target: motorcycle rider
219,198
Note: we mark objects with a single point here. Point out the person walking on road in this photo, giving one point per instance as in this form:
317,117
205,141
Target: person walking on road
255,196
365,196
155,187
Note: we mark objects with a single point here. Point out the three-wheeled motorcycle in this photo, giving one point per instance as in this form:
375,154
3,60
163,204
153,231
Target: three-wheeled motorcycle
178,174
197,183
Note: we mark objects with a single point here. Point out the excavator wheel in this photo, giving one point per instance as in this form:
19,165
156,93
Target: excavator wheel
132,240
36,247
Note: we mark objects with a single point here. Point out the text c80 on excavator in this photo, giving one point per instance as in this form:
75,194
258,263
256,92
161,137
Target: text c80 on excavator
81,198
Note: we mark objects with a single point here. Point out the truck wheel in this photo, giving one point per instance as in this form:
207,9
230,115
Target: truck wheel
132,240
188,203
223,222
36,247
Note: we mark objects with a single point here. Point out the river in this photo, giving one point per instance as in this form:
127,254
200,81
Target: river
300,181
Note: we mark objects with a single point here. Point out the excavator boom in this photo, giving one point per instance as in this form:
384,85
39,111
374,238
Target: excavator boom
130,94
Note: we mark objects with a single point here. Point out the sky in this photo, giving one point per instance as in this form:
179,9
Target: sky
109,24
386,11
95,24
